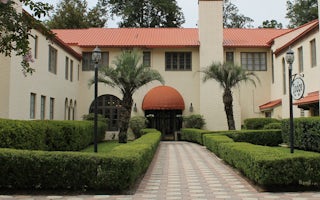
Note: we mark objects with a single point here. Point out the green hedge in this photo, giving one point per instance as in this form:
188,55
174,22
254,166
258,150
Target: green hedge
48,135
306,133
267,166
259,137
193,135
114,171
258,123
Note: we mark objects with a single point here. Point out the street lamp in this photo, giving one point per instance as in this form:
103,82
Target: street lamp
290,59
96,58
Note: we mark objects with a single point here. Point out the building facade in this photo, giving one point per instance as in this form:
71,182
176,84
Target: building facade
59,88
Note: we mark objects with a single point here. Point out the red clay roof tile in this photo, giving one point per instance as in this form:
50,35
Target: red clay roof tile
270,104
163,37
312,97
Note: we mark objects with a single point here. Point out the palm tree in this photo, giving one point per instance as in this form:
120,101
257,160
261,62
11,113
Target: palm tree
228,76
127,75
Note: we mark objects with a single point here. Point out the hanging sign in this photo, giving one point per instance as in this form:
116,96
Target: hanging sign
297,88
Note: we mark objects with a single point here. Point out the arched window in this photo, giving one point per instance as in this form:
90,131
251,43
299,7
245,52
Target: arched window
109,106
70,108
66,109
74,110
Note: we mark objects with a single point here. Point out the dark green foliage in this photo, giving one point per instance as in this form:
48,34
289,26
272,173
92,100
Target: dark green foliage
276,125
259,137
232,18
114,171
267,166
136,124
48,135
15,29
271,24
194,121
147,13
73,14
90,117
193,135
258,123
300,12
306,133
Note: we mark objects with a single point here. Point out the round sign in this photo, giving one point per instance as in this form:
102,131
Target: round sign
297,88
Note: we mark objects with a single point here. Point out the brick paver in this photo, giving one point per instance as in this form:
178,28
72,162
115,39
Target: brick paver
182,170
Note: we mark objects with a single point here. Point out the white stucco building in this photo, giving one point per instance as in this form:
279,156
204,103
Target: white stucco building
59,88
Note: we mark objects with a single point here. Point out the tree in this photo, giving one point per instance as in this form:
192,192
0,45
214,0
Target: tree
16,26
147,13
232,18
228,76
271,24
73,14
127,75
301,12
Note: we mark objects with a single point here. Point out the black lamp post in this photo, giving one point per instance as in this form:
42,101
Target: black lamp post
96,57
290,59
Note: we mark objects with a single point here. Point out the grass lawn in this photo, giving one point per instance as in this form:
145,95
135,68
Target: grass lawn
103,147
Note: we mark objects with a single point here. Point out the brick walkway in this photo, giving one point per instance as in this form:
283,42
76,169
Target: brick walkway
184,170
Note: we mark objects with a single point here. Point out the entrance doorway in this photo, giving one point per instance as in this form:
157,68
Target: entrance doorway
166,121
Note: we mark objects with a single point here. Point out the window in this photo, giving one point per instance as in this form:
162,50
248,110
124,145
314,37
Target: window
51,108
35,46
71,70
78,72
67,68
230,57
300,59
52,60
313,50
147,58
32,106
178,61
88,65
284,85
43,108
267,114
254,61
272,66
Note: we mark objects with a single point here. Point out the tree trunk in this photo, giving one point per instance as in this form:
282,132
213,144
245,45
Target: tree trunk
125,116
228,108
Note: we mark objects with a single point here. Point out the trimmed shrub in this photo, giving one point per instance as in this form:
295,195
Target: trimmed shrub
306,133
48,135
276,125
259,137
90,117
266,166
194,121
258,123
193,135
115,171
136,124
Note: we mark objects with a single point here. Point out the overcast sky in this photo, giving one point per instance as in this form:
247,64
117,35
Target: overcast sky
258,10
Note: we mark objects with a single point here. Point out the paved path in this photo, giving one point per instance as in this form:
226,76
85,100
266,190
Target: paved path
184,170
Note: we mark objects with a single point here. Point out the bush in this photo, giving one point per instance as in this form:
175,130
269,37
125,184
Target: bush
306,133
266,166
136,124
194,121
193,135
259,137
276,125
90,117
48,135
115,171
258,123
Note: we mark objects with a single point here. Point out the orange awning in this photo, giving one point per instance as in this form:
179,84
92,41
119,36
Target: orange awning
163,98
311,98
270,105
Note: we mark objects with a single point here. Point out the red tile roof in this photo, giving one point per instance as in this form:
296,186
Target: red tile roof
163,98
251,37
270,104
312,97
130,37
163,37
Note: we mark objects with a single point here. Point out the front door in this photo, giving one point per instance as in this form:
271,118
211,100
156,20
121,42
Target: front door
166,121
